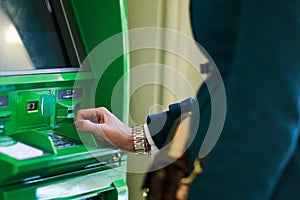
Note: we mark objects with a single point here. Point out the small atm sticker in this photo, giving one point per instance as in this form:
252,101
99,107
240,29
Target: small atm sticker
3,101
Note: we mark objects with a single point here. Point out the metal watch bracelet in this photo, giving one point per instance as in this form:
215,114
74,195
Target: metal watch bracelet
140,143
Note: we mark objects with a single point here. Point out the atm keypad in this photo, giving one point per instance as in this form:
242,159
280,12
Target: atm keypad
61,141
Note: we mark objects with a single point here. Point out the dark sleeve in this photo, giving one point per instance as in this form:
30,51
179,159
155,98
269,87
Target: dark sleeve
160,124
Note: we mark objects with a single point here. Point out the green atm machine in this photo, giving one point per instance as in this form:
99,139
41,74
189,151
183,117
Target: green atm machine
43,47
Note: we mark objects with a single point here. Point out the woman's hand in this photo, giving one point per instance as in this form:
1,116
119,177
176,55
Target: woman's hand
104,125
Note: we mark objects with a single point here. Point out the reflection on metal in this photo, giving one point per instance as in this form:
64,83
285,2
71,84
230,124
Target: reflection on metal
91,184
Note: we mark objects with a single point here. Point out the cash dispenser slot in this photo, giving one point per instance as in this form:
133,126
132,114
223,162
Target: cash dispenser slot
68,102
64,111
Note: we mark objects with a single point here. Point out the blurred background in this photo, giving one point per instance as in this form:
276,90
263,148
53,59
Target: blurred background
152,98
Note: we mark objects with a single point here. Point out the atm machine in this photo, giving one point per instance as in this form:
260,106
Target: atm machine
43,44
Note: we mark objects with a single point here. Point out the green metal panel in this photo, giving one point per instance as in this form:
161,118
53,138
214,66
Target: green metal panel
99,20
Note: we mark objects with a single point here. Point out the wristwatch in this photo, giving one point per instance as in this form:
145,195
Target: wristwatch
140,143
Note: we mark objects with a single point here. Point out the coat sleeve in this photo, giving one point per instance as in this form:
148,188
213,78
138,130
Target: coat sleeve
160,124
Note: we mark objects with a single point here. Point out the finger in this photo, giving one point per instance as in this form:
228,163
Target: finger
89,114
102,114
87,125
95,128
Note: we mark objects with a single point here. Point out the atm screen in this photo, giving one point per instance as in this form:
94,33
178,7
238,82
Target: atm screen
34,39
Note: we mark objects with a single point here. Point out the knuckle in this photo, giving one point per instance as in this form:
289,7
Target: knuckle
102,108
79,112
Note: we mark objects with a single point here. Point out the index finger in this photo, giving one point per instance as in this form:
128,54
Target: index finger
87,114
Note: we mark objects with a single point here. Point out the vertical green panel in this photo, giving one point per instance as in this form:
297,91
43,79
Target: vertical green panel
97,21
